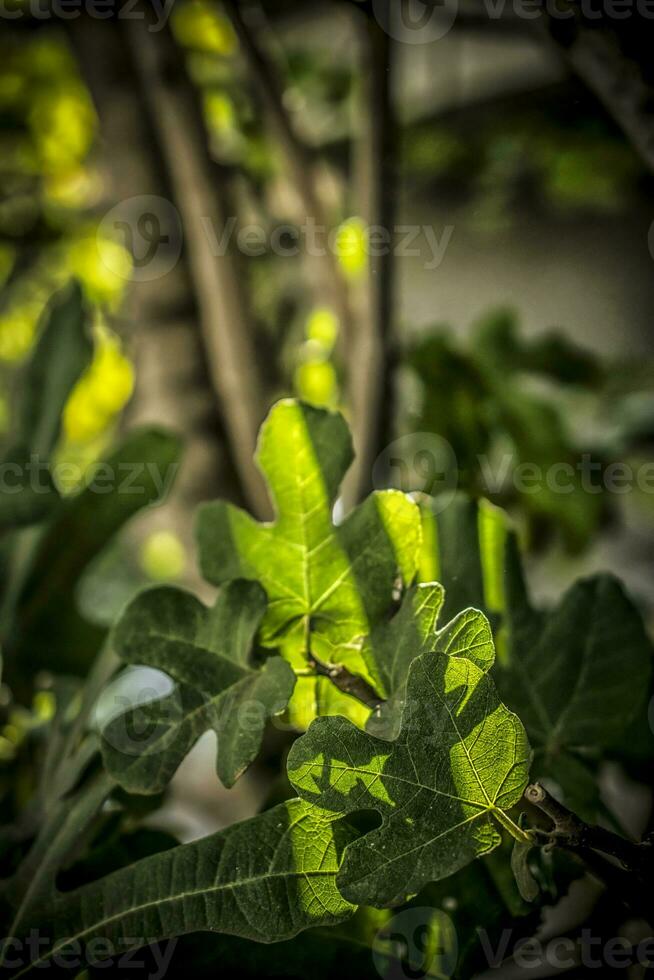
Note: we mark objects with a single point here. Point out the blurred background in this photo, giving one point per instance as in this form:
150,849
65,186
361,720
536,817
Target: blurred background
213,175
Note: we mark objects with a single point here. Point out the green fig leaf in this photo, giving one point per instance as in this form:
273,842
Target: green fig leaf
413,631
442,787
569,670
219,687
327,584
266,879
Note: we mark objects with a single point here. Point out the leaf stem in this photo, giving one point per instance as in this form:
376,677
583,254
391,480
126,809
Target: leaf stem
523,836
53,846
102,670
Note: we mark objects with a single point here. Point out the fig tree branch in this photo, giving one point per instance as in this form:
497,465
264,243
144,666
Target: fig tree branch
623,866
225,323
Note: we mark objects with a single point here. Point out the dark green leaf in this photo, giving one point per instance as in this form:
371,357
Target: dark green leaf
413,631
569,671
62,352
208,652
48,623
28,494
266,880
524,878
527,884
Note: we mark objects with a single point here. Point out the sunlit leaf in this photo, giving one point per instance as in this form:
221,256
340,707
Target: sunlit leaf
352,247
101,392
316,383
322,328
441,787
327,584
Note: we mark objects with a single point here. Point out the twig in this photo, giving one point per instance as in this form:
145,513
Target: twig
371,386
572,832
594,53
348,683
621,865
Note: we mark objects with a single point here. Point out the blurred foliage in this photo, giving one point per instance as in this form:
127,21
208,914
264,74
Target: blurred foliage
316,381
92,408
51,544
48,188
48,125
200,26
20,723
232,115
163,558
317,93
352,247
553,151
60,355
516,413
